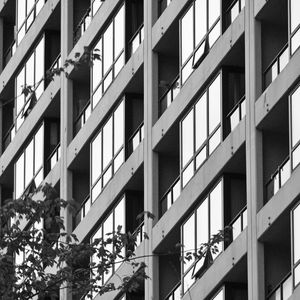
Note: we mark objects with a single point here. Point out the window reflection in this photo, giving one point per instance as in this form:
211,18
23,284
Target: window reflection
107,151
205,221
110,47
201,19
201,130
29,165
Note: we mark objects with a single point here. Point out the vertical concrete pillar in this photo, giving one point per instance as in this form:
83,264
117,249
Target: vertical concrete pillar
151,200
66,118
254,154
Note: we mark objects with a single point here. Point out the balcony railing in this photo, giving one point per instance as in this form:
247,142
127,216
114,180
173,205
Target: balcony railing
283,290
136,40
82,212
136,138
239,223
82,25
53,158
233,11
10,52
8,137
169,96
57,63
276,66
175,294
170,196
139,233
82,117
237,113
278,178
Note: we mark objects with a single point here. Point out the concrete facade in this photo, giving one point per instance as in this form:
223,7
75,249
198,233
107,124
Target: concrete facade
251,153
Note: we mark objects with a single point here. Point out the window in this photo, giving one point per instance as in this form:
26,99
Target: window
294,25
107,151
201,130
110,47
110,224
295,219
27,10
220,295
30,165
200,27
32,73
205,221
295,127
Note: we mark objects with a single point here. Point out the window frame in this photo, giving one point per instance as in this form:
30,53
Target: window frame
205,144
40,169
209,29
205,197
101,84
111,163
294,32
296,264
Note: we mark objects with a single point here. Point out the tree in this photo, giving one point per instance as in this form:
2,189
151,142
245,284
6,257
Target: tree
41,260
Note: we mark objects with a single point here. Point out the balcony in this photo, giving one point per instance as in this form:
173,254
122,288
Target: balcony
237,113
233,11
82,212
136,40
283,290
82,117
278,178
170,94
276,66
170,196
175,294
239,223
136,138
53,158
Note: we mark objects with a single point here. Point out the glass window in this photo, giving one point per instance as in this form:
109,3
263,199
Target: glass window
220,295
206,112
296,234
105,161
205,221
200,20
187,42
21,12
111,51
187,137
30,163
295,16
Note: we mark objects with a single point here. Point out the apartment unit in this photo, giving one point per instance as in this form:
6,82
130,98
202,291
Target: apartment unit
192,113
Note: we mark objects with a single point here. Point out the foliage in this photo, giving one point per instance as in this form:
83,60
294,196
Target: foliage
53,258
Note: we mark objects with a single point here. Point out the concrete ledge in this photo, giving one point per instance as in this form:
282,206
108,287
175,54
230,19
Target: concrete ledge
164,22
27,42
124,270
110,193
29,124
220,268
96,25
191,193
198,79
275,207
106,103
277,89
258,6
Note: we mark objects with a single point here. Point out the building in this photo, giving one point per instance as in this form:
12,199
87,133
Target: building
191,113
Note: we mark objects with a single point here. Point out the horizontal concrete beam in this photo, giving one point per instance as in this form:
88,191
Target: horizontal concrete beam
276,206
27,42
110,98
110,193
277,89
29,124
198,79
258,6
123,271
167,18
207,173
220,268
88,37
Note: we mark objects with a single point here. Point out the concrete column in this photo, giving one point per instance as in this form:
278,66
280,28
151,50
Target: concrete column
254,154
66,118
150,158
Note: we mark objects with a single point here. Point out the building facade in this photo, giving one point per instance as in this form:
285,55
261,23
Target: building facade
189,110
